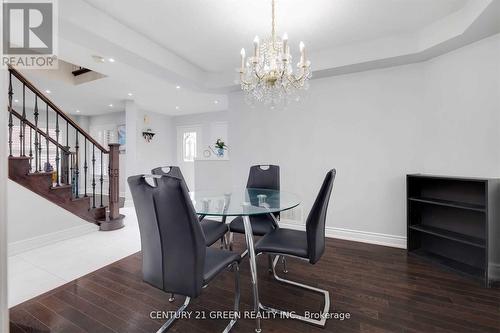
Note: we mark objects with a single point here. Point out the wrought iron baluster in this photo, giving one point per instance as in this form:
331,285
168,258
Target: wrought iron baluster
102,176
68,158
31,149
76,167
57,150
10,113
71,175
36,134
40,152
21,137
93,175
85,167
47,131
23,128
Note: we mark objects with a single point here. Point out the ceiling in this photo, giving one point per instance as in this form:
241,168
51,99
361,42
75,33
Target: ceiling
159,45
210,34
110,93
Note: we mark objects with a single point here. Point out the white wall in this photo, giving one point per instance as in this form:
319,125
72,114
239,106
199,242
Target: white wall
160,151
52,223
143,156
375,127
463,115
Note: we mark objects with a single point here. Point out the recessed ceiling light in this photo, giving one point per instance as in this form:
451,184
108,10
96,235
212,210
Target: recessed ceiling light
216,102
16,101
77,111
111,60
177,107
98,58
177,87
130,94
48,91
110,105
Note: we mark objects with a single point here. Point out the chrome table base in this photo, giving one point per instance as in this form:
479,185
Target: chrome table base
253,269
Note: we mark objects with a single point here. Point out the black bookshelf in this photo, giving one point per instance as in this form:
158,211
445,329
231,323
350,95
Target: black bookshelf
454,222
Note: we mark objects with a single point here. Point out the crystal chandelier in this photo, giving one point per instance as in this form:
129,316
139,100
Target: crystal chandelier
268,75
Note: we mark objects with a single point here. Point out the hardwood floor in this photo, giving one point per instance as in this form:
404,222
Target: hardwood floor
382,288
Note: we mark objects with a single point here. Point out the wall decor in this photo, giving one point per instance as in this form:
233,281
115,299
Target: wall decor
148,135
122,137
220,148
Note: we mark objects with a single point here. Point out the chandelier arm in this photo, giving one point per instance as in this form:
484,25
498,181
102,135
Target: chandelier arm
301,77
296,80
284,70
258,76
247,83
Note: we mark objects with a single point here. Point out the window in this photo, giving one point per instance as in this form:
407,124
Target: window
189,146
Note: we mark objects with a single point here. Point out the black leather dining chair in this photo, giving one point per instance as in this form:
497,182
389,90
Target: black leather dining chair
213,230
308,245
260,176
175,256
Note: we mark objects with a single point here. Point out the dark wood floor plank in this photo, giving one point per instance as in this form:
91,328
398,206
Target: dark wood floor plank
108,304
81,320
51,319
382,288
94,311
27,322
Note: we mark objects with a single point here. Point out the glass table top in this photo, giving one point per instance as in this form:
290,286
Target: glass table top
239,202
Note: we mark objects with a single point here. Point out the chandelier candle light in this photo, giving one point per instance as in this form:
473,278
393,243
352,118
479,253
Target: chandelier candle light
268,75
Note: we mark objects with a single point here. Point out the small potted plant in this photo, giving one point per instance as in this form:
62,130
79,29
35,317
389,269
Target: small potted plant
220,147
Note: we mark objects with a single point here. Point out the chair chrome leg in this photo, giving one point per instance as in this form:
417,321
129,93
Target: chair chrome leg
167,325
283,261
325,293
236,269
172,298
231,238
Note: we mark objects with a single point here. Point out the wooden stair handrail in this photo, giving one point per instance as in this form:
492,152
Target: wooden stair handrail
45,135
54,107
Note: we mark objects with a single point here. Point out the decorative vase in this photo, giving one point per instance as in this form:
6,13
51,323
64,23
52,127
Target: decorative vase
220,152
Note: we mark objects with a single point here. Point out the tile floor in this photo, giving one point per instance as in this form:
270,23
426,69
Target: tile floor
39,270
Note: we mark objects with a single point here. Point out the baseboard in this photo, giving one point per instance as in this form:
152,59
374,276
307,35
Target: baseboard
39,241
355,235
494,273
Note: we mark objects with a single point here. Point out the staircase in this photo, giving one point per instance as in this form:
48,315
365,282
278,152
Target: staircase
51,155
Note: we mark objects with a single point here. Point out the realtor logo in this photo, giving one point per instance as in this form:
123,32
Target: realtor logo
29,34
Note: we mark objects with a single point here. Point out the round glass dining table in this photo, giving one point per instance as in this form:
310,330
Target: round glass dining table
245,203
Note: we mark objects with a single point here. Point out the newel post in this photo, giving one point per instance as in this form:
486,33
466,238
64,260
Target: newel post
114,181
115,220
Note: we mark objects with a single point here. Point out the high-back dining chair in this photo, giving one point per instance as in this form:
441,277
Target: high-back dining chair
266,177
213,230
175,257
308,245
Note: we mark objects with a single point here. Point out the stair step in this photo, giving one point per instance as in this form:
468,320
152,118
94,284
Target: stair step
39,174
20,158
80,198
61,187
